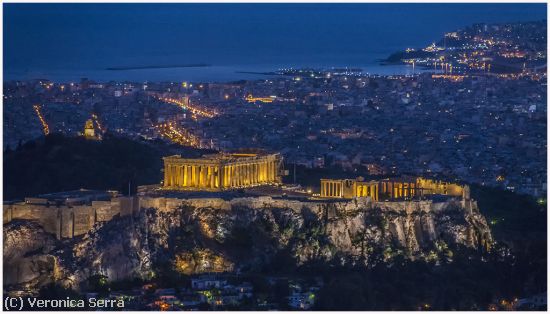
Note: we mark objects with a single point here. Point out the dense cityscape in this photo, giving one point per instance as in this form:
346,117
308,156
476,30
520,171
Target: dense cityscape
461,139
475,127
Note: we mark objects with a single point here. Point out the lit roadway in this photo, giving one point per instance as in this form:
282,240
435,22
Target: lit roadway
177,134
96,120
194,110
45,127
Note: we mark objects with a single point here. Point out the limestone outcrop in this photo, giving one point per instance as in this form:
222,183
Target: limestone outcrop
214,235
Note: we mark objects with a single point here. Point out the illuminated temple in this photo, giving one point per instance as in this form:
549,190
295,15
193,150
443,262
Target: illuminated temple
221,171
390,189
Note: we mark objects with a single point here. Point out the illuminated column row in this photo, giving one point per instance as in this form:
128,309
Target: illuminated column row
219,176
369,189
198,176
248,174
331,188
400,189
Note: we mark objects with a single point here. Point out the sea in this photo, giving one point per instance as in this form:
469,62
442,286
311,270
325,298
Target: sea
204,74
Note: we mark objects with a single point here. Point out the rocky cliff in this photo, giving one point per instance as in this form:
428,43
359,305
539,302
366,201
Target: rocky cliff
243,235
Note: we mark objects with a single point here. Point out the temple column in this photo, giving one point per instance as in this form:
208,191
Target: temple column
175,175
197,176
202,176
228,174
255,173
250,174
212,176
184,175
215,177
247,174
172,176
239,175
199,170
206,176
237,180
259,169
219,178
165,177
191,175
224,176
232,174
168,176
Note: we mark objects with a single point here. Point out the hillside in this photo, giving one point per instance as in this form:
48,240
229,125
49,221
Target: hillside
57,163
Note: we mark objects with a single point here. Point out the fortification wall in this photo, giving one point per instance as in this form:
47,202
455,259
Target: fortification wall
70,221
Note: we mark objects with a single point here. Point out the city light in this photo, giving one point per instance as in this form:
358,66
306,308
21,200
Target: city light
45,126
177,134
193,109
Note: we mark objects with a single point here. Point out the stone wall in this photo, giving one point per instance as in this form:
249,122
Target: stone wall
70,221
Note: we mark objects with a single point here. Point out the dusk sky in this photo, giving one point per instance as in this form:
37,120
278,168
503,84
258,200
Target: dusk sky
71,36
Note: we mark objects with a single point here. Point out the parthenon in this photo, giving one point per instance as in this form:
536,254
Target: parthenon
221,171
390,189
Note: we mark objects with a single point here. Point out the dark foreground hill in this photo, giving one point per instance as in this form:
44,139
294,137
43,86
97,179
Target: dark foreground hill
57,163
